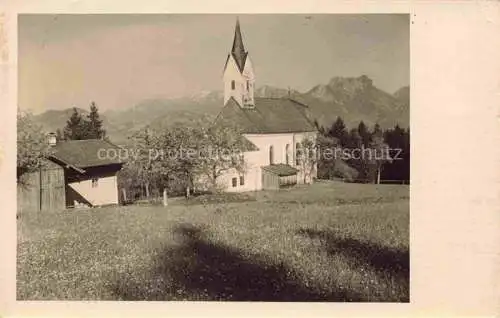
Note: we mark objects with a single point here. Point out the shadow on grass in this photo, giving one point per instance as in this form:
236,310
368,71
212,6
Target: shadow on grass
393,264
201,270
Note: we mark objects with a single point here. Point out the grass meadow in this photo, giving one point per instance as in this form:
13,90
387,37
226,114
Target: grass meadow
331,241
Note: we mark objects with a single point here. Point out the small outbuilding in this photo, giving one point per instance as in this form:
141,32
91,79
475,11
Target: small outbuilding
78,173
278,176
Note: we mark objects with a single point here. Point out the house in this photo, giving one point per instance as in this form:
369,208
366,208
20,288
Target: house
276,126
77,173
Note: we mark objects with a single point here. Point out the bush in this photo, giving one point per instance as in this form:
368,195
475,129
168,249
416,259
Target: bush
337,169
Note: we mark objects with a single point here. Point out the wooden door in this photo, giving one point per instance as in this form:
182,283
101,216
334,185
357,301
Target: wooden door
52,190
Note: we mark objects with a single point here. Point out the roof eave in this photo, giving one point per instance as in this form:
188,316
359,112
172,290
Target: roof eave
67,164
106,164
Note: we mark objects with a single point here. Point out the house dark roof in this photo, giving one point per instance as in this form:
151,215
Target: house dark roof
269,115
81,154
281,169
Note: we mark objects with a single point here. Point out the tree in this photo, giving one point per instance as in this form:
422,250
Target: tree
94,123
364,133
59,134
32,145
358,153
76,128
319,127
327,147
137,172
79,128
398,141
338,130
354,139
179,157
377,130
222,150
380,153
184,143
308,158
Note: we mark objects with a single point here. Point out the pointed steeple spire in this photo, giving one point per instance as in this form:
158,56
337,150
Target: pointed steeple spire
238,50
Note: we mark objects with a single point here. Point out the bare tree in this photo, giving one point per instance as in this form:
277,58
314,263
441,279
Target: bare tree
380,153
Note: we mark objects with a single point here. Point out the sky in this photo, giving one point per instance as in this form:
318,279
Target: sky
118,60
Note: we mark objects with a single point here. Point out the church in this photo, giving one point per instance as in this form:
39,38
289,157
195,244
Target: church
276,127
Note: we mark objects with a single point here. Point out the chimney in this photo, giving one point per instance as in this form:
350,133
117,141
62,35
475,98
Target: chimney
52,139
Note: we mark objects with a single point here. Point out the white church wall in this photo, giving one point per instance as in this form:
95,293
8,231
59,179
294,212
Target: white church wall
232,73
256,159
265,141
251,180
249,77
279,142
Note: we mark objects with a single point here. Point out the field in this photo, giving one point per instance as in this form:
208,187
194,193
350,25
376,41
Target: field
330,241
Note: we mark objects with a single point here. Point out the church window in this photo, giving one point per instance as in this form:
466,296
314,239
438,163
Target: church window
271,155
298,153
287,154
233,85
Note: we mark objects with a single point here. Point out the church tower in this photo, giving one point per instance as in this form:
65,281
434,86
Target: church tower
239,79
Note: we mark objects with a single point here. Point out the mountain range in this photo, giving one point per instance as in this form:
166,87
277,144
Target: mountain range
352,98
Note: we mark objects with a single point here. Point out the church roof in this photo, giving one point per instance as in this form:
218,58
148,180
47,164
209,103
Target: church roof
238,50
269,115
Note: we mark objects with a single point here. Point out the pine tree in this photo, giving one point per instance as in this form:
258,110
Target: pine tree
75,127
377,131
94,123
319,127
398,139
358,161
354,139
364,133
339,131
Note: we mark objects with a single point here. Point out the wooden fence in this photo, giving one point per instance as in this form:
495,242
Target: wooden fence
403,182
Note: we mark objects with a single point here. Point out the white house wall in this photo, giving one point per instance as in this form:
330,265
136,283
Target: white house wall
106,191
